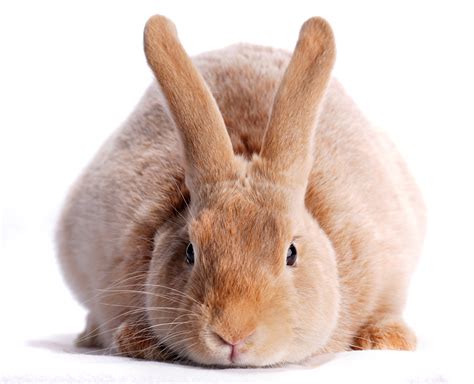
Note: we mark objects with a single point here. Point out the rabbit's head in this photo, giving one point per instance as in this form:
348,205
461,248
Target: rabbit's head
246,277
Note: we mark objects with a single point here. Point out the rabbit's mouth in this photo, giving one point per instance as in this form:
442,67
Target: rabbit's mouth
251,351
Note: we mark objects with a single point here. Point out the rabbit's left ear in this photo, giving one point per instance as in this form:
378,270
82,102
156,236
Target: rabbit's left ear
287,149
207,146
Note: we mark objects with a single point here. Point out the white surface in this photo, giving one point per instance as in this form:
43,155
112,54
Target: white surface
70,72
54,360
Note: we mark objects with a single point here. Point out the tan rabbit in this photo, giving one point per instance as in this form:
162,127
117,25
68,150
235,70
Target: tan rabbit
246,214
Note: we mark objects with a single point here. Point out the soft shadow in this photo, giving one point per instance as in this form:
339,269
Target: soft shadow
63,344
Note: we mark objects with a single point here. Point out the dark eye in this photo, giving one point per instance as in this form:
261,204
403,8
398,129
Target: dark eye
190,254
291,255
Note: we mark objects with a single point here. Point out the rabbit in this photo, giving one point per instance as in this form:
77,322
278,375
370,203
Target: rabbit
246,214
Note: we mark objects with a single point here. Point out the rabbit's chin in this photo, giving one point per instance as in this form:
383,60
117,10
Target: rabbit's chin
249,354
247,359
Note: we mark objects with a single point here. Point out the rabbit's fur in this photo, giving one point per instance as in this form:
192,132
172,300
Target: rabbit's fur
308,168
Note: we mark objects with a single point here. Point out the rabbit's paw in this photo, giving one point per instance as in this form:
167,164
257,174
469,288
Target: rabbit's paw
88,337
134,340
387,333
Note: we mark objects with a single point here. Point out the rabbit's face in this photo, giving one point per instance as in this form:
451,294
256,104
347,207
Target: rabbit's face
249,280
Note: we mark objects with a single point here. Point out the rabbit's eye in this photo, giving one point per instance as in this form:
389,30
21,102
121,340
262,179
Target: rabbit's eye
291,255
190,254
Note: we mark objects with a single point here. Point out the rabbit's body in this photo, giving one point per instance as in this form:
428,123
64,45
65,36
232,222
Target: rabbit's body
359,191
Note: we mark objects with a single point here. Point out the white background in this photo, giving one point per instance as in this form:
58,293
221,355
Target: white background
71,72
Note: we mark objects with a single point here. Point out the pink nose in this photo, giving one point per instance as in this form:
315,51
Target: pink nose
234,343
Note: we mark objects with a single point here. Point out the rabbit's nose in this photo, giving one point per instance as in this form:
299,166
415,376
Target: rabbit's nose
236,342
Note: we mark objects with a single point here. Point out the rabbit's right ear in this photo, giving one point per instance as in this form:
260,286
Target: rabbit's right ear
208,149
287,149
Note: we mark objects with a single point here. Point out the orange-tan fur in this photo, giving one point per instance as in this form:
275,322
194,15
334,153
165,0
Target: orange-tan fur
243,151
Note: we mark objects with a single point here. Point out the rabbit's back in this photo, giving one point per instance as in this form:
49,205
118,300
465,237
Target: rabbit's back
359,190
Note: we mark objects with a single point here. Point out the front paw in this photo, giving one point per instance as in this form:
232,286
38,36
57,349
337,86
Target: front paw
387,333
136,341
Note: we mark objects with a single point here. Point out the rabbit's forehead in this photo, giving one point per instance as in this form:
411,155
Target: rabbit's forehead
241,225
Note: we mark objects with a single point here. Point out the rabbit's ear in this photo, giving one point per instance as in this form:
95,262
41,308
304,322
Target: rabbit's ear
287,149
208,149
